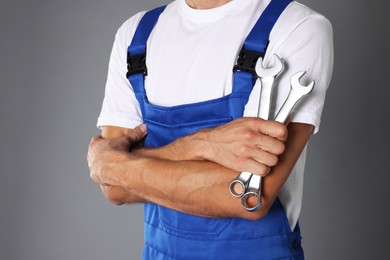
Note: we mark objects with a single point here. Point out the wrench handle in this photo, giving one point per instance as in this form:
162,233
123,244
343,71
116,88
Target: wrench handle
287,107
253,190
267,85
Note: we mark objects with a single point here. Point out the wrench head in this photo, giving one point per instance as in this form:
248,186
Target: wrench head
296,85
245,201
237,188
272,71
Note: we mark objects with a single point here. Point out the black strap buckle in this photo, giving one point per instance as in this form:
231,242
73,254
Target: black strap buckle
246,61
136,64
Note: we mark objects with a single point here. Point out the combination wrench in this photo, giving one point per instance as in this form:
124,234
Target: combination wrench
267,76
297,91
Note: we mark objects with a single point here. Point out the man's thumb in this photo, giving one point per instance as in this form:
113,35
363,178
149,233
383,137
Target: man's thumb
137,133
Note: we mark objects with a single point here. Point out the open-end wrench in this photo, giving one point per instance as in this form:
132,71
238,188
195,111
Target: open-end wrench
297,91
267,78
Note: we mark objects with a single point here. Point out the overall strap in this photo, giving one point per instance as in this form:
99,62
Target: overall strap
255,46
136,52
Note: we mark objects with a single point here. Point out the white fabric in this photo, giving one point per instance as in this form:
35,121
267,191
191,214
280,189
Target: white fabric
190,56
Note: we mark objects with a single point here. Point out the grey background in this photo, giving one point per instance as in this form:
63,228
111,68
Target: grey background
53,63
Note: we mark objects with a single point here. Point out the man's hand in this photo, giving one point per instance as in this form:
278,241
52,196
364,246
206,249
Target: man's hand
245,144
104,154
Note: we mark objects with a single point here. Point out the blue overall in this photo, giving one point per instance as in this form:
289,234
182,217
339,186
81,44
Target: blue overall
170,234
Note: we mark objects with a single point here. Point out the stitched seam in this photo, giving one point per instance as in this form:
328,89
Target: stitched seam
193,105
189,124
216,239
210,236
159,250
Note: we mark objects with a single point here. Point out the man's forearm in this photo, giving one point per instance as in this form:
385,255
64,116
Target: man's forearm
201,187
245,144
193,187
115,194
119,196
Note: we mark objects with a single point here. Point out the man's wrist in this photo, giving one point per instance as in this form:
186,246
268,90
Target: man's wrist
191,147
115,168
194,147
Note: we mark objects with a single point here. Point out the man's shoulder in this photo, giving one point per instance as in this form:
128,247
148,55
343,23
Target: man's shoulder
298,13
128,27
299,18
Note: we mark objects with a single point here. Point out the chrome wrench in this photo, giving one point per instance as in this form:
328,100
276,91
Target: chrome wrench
296,93
267,76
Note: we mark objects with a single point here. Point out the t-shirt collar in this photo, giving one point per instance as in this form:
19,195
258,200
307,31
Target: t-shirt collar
214,14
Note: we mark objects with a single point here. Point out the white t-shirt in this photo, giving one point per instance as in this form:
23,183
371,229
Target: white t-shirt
190,57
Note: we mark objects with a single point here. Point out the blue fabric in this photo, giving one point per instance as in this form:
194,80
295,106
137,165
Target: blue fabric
170,234
259,41
141,35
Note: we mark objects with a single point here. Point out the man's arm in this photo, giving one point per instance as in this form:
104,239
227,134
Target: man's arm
244,144
194,187
117,194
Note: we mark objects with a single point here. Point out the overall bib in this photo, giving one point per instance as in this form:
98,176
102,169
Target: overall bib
170,234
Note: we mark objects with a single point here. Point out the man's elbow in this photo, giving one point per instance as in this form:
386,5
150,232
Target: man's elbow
113,196
116,201
255,215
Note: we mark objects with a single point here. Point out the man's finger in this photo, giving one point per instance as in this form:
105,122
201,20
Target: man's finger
131,136
136,134
273,128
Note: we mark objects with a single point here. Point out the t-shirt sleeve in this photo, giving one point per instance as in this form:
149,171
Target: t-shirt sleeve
309,47
311,50
120,106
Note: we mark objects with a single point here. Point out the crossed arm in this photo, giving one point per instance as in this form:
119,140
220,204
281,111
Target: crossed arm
192,174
